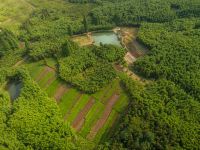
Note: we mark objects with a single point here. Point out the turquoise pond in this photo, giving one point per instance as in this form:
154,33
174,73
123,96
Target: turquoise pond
106,38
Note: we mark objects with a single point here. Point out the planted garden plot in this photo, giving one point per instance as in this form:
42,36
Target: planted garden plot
91,115
80,118
104,132
45,71
67,101
78,107
53,87
61,90
76,100
100,123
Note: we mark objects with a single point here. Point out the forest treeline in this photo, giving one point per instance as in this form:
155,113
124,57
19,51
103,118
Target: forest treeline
175,53
8,41
160,116
133,12
33,121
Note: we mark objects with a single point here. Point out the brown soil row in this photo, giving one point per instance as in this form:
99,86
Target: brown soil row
80,118
62,89
43,73
100,123
74,102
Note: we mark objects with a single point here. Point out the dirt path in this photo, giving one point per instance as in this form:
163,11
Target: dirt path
61,90
80,118
43,73
74,102
21,61
100,123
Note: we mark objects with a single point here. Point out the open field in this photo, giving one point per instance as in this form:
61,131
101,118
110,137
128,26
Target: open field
14,12
91,115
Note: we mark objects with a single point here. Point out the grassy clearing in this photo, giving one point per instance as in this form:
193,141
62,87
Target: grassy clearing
13,13
70,107
78,107
122,103
93,115
67,101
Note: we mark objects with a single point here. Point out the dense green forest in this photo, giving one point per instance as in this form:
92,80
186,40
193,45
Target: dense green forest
175,51
8,41
89,69
33,121
161,114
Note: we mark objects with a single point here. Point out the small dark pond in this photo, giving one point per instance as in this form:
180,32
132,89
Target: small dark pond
14,89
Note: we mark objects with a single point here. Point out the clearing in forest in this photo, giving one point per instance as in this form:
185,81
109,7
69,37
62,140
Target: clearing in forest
84,39
87,113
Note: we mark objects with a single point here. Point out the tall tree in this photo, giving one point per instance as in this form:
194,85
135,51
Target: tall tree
85,23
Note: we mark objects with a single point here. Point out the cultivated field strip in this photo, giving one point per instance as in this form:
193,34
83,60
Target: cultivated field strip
76,100
43,73
100,123
80,118
61,90
92,116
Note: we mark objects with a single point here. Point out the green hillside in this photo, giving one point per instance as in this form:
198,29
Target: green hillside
99,74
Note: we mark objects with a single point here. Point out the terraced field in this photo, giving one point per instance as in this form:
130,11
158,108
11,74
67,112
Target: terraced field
92,116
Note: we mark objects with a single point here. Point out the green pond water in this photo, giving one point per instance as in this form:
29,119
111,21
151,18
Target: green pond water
106,38
14,89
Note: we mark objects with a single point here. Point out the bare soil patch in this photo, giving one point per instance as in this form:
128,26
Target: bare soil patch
62,89
100,123
80,119
84,39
